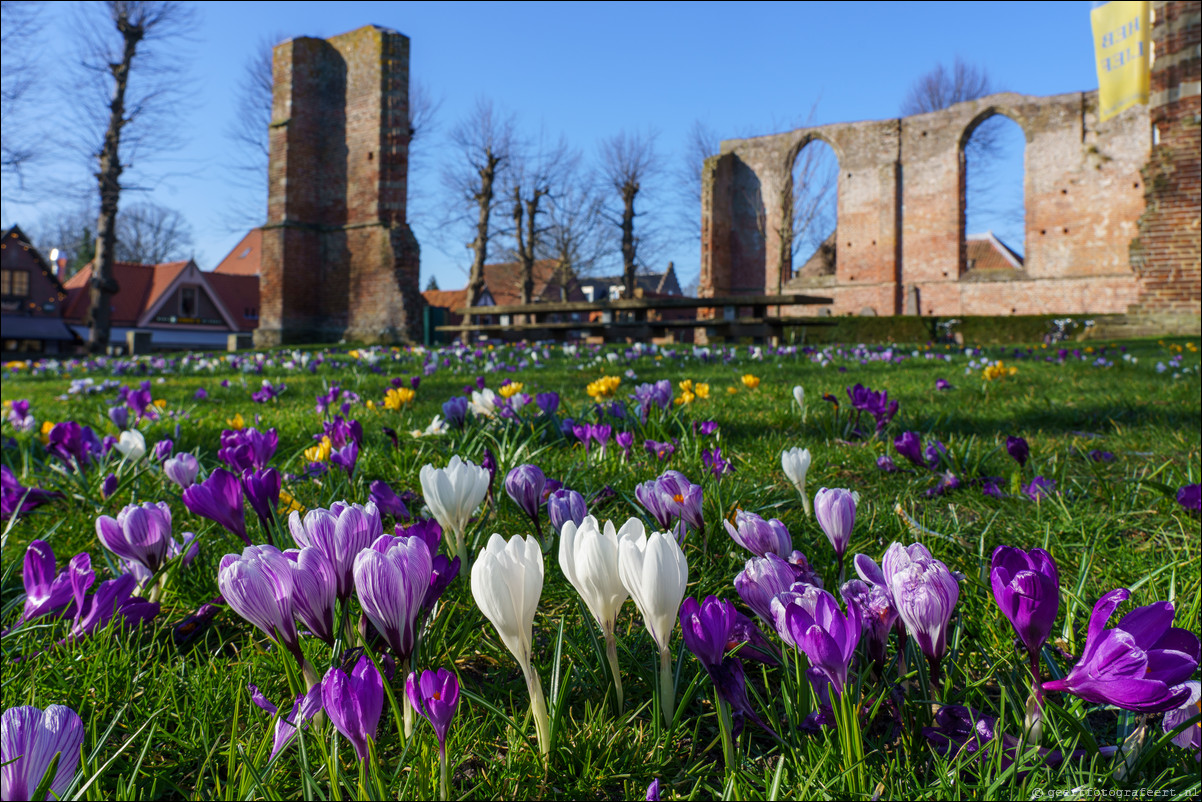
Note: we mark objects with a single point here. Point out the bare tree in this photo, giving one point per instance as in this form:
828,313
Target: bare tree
20,23
482,144
700,143
814,195
627,161
70,230
942,87
132,55
149,234
574,236
533,178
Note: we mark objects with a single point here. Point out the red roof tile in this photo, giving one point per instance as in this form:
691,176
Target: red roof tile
239,295
244,259
987,252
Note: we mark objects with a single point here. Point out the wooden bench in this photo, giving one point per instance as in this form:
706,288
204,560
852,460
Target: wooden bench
628,319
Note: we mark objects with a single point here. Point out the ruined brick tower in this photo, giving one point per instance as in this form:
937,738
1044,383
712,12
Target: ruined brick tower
1167,251
339,259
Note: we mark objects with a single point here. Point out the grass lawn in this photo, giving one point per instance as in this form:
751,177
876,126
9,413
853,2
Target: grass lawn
1113,431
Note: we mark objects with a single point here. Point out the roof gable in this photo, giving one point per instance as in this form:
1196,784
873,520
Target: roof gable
246,257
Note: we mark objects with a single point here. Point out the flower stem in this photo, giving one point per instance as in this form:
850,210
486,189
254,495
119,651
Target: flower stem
611,652
443,787
667,686
728,745
407,709
538,709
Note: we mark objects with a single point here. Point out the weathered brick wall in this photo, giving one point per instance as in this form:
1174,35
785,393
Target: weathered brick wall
901,205
1166,254
339,259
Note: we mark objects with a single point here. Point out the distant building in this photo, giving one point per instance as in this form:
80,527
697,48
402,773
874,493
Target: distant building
245,258
31,301
503,287
647,285
178,304
988,254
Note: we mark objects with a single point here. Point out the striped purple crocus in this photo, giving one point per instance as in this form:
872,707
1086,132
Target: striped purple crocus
219,498
392,578
140,533
29,740
258,585
826,635
305,707
340,532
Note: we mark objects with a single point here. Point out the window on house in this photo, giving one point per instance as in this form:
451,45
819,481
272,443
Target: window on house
187,302
14,283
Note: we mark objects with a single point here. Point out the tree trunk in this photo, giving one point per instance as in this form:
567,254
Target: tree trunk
629,190
475,284
103,283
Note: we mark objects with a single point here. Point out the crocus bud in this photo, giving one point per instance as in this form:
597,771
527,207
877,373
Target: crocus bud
1026,586
182,470
525,484
758,536
1018,449
835,510
795,462
566,505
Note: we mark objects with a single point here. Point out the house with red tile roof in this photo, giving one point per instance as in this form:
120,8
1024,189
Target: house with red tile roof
31,301
177,303
245,258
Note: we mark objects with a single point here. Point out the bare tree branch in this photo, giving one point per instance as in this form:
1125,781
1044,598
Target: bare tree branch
627,162
128,114
150,234
574,236
700,143
20,23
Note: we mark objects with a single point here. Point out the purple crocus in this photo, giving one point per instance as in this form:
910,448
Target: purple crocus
1018,449
1190,497
1026,586
877,614
340,532
346,457
525,484
305,707
244,449
715,463
15,498
759,536
139,533
31,738
625,440
942,384
835,510
182,469
826,635
1191,737
653,791
45,591
660,451
112,598
219,498
262,488
454,411
387,501
354,703
707,629
258,585
314,591
74,444
548,402
489,463
566,505
886,464
1139,665
435,696
119,416
909,445
109,486
764,578
391,579
925,593
1039,488
671,498
162,450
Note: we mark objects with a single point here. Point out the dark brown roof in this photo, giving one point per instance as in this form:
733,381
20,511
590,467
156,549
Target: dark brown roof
652,284
244,259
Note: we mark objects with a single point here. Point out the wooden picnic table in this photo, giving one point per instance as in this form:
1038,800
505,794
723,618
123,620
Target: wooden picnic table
628,317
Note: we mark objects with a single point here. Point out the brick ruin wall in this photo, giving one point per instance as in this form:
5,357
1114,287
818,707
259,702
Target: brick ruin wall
1111,220
339,259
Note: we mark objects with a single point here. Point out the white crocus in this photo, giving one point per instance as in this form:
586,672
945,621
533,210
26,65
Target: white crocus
654,571
484,402
437,426
507,581
588,555
453,494
132,445
796,463
799,395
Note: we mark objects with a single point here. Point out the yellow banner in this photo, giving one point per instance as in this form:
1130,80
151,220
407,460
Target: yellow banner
1121,44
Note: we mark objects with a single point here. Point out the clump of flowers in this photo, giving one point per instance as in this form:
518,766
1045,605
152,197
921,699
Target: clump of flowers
397,397
603,387
998,370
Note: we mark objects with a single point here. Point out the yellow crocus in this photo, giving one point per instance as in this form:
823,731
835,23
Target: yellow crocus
398,397
236,422
751,382
686,386
510,390
319,452
702,390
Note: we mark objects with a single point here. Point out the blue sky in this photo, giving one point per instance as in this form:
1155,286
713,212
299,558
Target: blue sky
592,70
